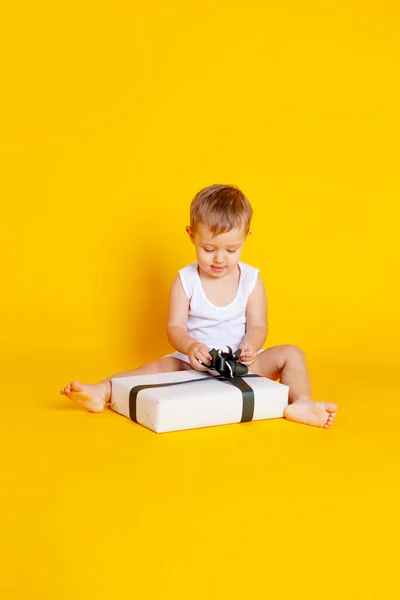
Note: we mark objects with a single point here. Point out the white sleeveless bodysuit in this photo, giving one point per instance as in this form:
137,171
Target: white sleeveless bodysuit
216,326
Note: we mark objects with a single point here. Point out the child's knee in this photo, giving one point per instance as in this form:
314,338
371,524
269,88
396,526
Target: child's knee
293,353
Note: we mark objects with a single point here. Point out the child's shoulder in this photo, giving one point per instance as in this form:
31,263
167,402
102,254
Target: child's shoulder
241,263
188,273
188,277
187,268
250,278
248,269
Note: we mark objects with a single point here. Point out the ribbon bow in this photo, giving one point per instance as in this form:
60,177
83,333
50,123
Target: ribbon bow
226,363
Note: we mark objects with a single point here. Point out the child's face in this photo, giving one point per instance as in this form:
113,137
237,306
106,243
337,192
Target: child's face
217,255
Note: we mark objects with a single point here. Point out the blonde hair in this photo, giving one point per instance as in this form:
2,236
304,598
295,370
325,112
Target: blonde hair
221,208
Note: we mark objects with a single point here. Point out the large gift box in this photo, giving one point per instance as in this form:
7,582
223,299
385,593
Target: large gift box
189,399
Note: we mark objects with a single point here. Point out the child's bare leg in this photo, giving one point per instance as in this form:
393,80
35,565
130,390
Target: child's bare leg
94,397
288,364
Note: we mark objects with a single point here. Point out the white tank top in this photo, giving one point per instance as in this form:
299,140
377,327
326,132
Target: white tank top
217,326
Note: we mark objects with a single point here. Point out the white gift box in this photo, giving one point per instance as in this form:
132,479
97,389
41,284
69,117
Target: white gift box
202,403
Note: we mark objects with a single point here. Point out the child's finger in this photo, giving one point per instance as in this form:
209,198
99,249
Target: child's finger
204,351
198,366
248,360
203,357
201,367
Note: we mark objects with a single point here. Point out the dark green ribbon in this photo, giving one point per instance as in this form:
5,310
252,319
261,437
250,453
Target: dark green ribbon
227,363
230,371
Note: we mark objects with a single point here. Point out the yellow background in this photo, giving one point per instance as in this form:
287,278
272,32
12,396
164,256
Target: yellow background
113,115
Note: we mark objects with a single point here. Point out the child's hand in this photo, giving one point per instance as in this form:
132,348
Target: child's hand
199,352
248,355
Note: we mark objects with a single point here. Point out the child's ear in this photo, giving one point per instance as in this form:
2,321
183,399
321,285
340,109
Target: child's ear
190,233
250,231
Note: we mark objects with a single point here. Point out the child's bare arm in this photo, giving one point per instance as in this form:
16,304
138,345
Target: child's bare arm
256,323
177,328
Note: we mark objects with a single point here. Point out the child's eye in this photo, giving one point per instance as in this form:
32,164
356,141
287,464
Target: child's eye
212,250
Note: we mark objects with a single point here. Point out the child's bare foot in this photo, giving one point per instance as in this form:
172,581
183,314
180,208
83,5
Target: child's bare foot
92,397
319,414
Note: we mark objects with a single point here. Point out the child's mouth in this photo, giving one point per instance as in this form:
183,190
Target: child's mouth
217,269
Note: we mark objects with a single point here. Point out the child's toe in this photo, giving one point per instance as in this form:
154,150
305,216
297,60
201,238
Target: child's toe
329,421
